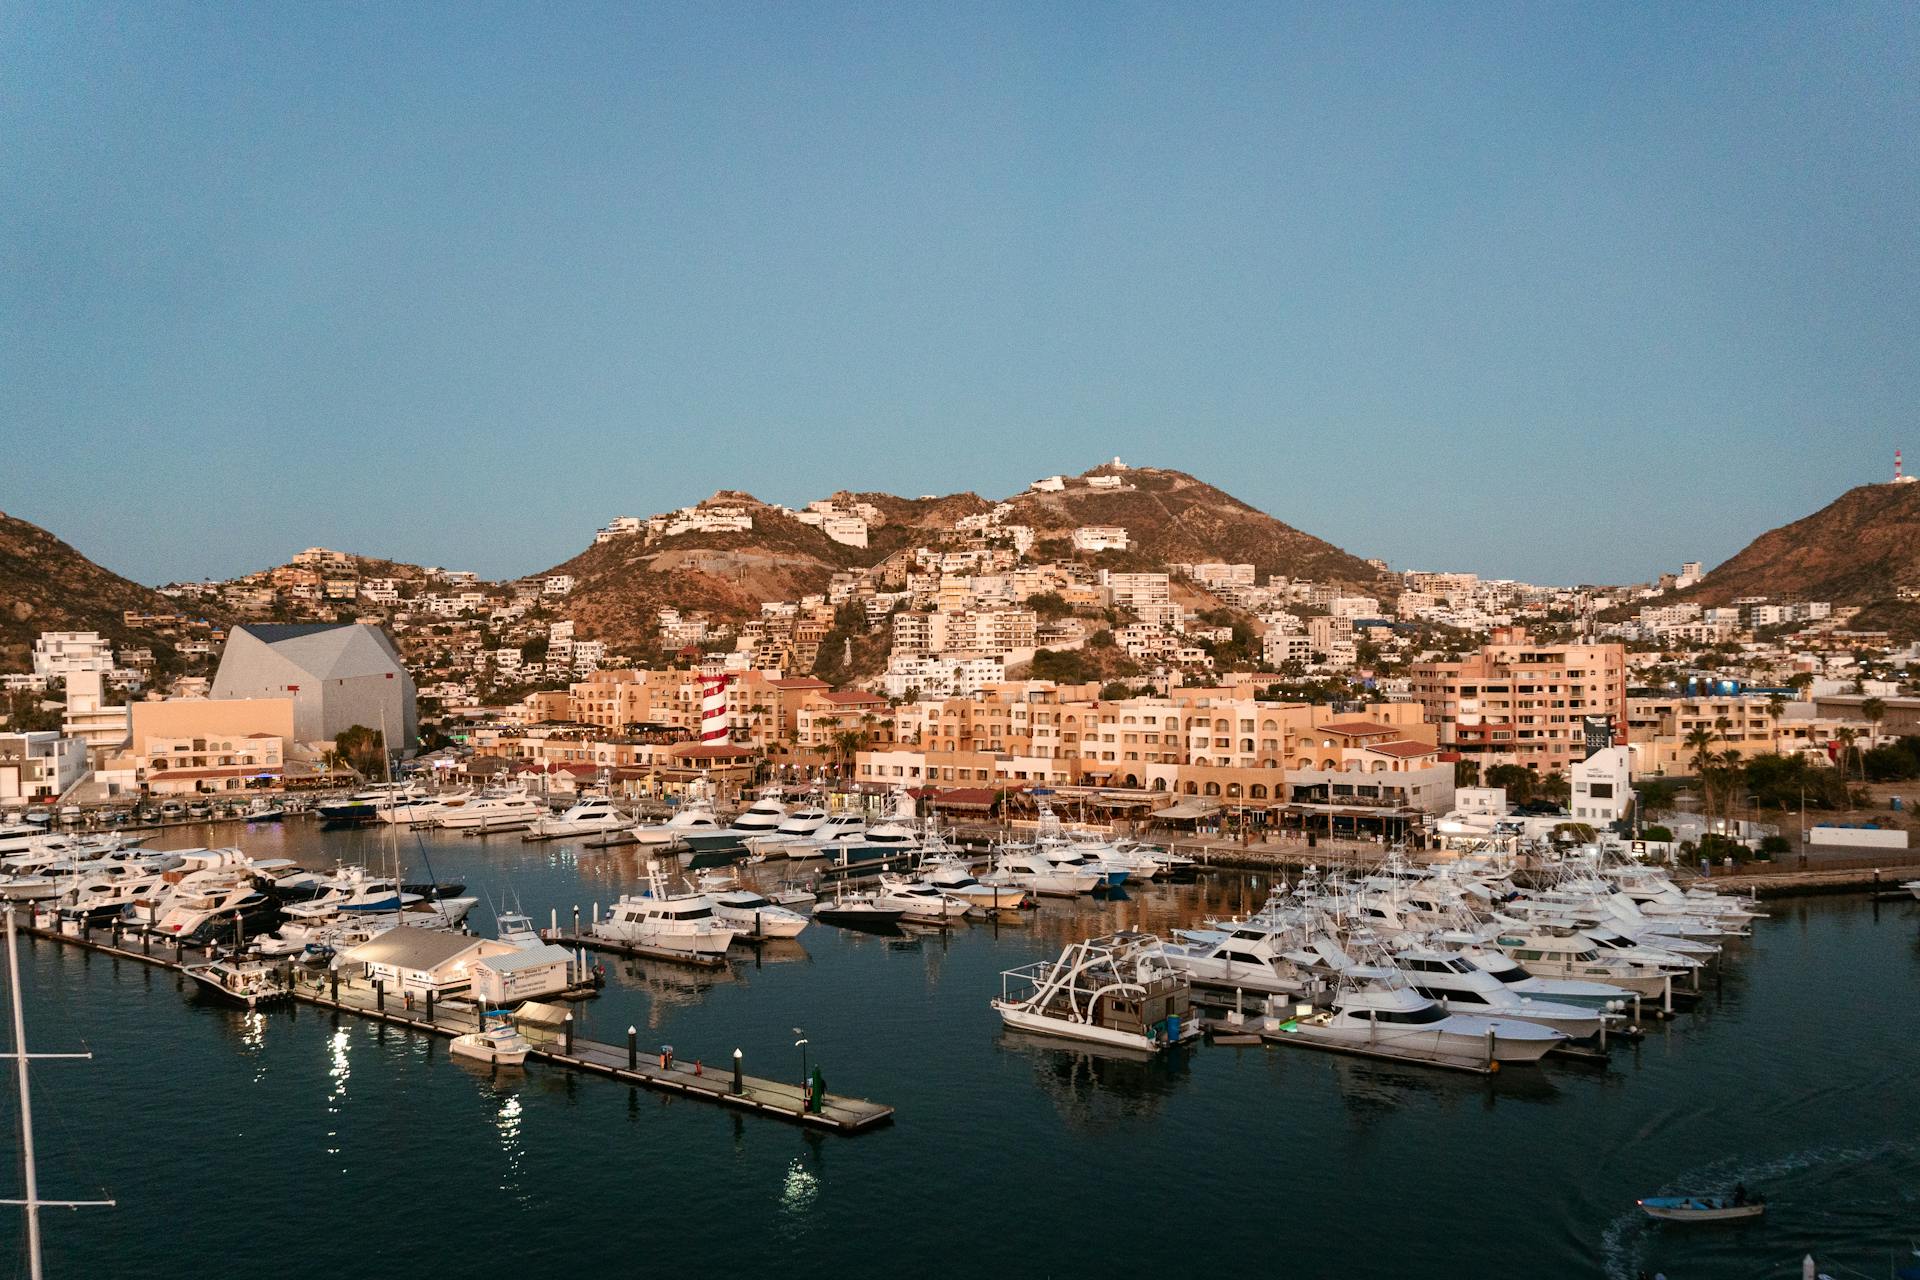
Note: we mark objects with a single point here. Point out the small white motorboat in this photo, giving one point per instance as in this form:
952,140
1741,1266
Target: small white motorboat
498,1043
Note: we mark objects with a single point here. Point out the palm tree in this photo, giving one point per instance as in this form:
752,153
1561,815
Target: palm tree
1700,742
1873,710
1846,736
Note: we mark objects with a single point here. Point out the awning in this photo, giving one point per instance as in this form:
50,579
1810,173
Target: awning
1189,809
536,1014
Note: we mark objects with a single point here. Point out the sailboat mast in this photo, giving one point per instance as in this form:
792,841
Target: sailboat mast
32,1178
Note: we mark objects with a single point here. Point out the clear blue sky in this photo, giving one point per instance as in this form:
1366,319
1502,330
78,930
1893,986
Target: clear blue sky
1562,292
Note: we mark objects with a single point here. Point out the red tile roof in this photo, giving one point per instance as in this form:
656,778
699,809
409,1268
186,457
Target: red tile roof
712,751
1357,729
1403,750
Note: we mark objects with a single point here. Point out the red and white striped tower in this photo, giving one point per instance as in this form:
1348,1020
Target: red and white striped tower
1896,466
713,707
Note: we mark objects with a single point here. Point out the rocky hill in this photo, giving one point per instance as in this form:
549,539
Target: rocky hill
620,583
1857,550
46,585
1172,517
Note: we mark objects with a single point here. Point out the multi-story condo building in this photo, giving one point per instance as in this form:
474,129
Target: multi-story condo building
1520,702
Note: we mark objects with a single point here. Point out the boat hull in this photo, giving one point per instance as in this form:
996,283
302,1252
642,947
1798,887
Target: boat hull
1020,1018
1692,1209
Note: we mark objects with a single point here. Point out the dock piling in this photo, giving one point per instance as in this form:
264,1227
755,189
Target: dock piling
739,1079
569,1034
380,994
633,1048
429,1004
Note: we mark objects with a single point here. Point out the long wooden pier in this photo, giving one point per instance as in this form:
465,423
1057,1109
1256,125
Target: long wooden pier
560,1047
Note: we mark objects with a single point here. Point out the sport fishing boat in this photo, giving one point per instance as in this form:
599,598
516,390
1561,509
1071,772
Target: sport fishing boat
1037,875
754,914
840,831
669,922
245,982
506,810
952,876
757,821
695,817
1248,957
857,911
588,816
1569,954
1118,991
799,826
365,805
421,810
497,1043
1463,987
1398,1022
920,902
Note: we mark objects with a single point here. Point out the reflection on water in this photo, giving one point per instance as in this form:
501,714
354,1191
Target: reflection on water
799,1188
339,1070
507,1120
1095,1085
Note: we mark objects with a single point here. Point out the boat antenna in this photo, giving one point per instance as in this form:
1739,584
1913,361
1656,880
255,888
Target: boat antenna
32,1203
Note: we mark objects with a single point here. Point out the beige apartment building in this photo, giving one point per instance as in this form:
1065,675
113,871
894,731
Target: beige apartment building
1520,702
1200,741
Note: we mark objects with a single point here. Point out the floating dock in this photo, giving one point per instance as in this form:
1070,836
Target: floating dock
835,1113
591,943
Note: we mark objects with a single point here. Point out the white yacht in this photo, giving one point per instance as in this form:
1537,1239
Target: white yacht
759,821
1396,1021
856,910
920,902
694,818
840,831
493,811
420,810
1463,987
1553,954
800,825
684,922
1247,956
497,1043
1037,875
587,816
247,982
754,914
1118,991
952,876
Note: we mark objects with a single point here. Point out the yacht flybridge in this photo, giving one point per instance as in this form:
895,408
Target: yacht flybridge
1118,991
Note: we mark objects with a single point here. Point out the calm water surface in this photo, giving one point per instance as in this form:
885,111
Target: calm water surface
288,1145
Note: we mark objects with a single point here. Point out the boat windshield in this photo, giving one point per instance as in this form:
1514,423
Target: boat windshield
1424,1014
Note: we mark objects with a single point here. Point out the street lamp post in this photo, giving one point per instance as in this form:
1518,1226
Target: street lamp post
801,1045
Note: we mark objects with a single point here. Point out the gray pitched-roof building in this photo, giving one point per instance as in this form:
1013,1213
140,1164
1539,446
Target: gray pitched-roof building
337,674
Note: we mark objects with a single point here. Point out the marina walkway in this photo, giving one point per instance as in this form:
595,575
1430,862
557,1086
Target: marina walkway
835,1112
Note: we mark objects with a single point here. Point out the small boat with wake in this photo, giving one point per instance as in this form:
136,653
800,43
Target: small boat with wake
1727,1208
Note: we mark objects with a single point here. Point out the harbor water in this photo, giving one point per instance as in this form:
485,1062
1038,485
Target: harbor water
297,1144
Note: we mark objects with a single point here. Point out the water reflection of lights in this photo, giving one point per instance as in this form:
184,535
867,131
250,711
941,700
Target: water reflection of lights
508,1121
253,1039
799,1189
338,1071
253,1030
